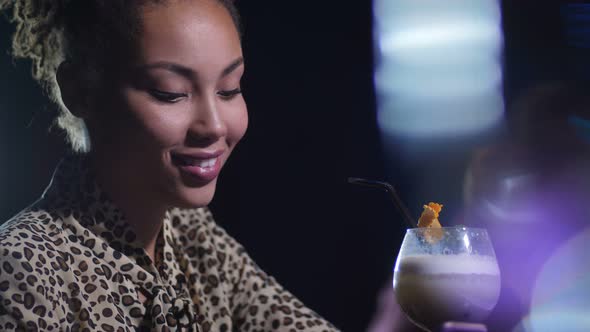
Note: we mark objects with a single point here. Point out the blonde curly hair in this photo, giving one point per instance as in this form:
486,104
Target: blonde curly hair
83,32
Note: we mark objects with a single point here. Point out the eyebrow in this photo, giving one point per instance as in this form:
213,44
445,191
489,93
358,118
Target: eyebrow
188,72
233,66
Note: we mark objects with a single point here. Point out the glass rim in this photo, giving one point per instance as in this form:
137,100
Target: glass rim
466,228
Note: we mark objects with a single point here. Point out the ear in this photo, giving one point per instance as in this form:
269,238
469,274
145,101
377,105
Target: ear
73,93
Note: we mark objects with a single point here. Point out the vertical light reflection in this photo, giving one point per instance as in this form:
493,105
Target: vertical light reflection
438,71
466,242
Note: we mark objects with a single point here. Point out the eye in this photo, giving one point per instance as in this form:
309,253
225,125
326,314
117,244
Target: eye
167,97
229,94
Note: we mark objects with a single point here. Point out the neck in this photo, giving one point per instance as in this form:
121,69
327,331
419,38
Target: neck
142,211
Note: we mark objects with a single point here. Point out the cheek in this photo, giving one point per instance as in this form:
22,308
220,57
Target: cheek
236,119
162,125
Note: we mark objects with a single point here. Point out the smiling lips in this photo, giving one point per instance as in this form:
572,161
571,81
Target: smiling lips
203,166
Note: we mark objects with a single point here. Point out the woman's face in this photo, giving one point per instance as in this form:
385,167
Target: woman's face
176,113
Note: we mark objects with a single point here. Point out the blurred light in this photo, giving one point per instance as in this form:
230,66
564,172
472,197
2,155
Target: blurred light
502,214
581,127
442,36
560,299
576,18
438,72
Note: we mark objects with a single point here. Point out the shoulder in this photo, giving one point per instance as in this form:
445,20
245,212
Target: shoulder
29,228
30,262
30,244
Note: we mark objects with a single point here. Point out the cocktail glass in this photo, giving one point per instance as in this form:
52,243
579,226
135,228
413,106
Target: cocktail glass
446,274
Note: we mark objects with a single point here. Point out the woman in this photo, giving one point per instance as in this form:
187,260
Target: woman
149,93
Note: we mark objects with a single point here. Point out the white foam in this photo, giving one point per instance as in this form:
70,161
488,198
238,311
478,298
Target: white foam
447,264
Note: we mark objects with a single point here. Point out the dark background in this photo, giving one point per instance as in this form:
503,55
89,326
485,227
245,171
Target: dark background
284,195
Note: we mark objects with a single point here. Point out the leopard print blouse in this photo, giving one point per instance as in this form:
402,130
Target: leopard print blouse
70,262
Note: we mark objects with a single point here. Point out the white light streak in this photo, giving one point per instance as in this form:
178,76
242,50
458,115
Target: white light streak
438,72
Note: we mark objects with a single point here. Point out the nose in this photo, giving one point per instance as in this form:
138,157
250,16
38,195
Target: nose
208,124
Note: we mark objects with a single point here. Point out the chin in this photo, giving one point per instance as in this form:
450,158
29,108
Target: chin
195,197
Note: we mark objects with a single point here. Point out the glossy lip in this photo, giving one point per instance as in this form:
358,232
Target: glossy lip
199,173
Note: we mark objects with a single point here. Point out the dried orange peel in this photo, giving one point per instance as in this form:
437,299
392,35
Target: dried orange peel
429,219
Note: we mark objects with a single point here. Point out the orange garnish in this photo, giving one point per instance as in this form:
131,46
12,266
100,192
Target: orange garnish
436,207
429,219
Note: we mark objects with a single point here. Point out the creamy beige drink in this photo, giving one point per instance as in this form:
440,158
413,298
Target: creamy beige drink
435,288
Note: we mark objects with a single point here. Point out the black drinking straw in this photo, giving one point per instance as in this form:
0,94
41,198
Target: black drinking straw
392,193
